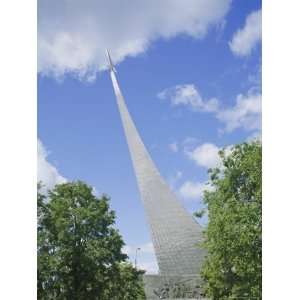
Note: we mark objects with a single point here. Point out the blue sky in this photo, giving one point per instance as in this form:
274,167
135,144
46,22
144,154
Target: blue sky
190,89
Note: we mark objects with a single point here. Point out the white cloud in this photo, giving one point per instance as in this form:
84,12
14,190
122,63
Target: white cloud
194,190
245,39
245,114
73,35
47,173
173,147
205,155
188,95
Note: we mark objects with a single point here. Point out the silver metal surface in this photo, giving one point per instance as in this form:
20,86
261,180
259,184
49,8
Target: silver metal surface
175,233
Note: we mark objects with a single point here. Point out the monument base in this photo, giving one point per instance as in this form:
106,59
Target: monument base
173,287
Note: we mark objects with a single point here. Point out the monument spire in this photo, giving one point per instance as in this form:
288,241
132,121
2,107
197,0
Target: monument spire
175,233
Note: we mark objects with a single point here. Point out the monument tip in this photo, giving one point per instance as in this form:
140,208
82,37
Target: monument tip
111,65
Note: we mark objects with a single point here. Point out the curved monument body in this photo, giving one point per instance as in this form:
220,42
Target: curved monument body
175,233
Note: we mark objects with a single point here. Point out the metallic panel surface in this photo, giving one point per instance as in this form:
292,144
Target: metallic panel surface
175,233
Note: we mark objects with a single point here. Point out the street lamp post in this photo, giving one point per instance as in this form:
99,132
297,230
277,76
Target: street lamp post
135,260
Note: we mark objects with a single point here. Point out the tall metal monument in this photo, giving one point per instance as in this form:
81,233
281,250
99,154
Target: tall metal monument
175,233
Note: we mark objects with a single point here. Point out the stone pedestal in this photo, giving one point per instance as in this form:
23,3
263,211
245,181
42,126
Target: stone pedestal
172,287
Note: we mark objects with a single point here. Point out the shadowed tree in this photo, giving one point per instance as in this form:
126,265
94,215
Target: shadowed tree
79,250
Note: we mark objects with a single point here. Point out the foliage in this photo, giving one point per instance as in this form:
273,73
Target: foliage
79,250
130,285
232,269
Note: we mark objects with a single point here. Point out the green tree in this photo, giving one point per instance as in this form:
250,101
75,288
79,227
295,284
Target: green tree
129,286
232,269
79,250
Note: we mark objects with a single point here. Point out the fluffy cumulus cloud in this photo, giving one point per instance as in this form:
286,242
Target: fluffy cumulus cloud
246,38
194,190
188,95
205,155
73,35
245,114
47,173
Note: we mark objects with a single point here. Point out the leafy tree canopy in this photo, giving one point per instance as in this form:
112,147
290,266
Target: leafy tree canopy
79,250
233,236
